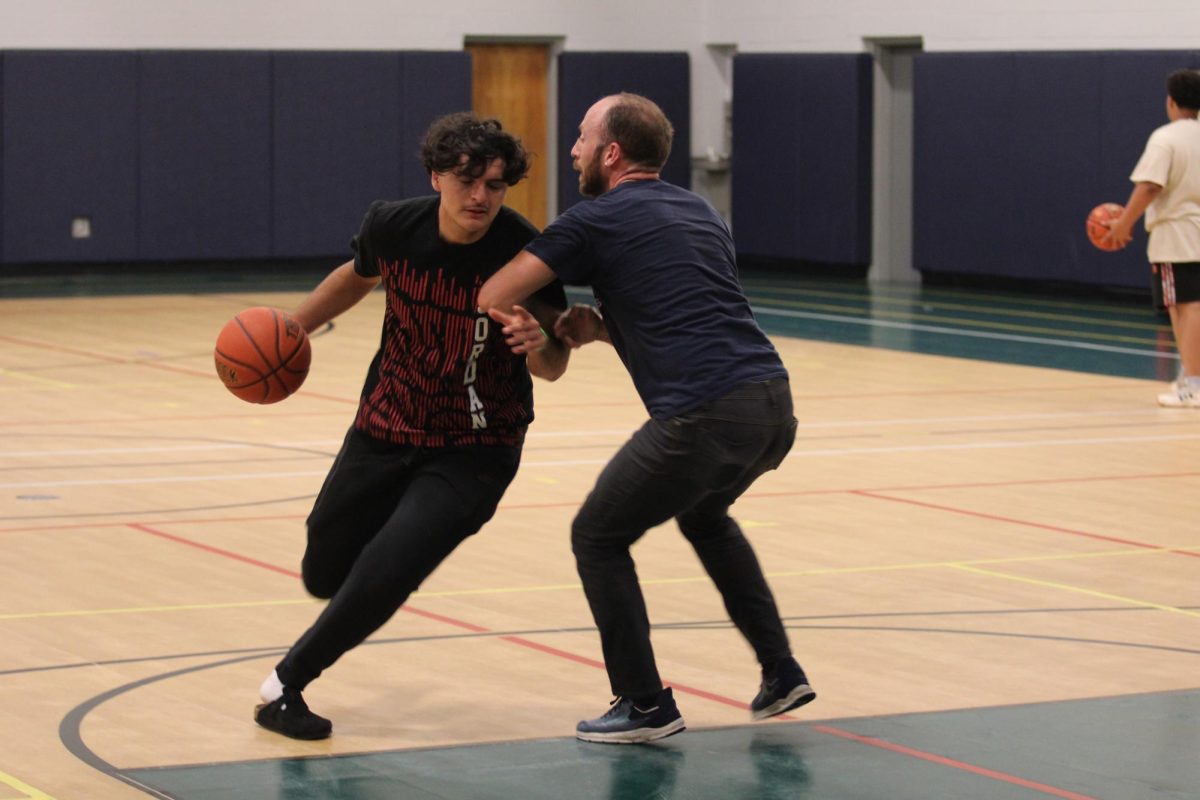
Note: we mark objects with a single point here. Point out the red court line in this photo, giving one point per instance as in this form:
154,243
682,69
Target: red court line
1024,522
568,503
952,763
211,549
682,688
60,349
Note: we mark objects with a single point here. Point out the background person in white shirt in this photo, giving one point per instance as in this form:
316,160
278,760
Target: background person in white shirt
1167,189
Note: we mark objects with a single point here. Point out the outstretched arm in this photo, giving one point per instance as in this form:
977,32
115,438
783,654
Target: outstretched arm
515,281
579,325
340,290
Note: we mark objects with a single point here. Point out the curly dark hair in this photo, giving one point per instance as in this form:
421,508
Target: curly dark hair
1183,86
453,136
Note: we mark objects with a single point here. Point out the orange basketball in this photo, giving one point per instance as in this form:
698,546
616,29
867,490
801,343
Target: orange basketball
1097,230
262,355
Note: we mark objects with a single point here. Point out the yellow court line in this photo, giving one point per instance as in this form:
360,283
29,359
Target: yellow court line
1079,590
36,378
152,609
1141,551
30,792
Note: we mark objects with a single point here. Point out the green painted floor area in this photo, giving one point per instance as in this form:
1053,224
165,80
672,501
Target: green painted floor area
1106,335
1113,334
1122,748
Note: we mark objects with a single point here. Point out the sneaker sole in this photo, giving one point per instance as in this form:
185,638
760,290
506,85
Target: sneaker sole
801,695
303,737
633,737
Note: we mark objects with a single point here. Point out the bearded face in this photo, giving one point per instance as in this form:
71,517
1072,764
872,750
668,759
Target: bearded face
592,182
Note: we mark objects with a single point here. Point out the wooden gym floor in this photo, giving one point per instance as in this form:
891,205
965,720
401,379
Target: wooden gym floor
985,546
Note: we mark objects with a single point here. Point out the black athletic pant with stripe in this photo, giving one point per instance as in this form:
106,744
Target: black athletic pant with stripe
384,520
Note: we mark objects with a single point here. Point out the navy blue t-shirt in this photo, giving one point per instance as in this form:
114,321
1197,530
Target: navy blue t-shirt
661,264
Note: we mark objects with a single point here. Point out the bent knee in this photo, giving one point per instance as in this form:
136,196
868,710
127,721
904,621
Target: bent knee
321,584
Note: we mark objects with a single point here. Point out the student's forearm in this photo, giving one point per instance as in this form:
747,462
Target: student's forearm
340,290
550,362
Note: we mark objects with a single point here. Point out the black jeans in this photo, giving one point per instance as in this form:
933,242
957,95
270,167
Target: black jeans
385,518
691,467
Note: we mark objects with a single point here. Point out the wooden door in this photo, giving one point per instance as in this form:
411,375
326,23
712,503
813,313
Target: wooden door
510,83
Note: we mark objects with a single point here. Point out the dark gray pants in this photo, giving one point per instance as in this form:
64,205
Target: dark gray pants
691,468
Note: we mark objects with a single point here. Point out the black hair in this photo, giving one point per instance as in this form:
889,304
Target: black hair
1183,86
453,136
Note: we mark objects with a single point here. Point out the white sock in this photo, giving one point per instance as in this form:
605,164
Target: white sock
271,689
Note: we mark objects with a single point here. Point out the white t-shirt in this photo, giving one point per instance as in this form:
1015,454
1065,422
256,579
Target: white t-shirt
1172,160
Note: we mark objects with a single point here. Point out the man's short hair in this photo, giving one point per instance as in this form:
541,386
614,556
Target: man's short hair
641,128
453,136
1183,86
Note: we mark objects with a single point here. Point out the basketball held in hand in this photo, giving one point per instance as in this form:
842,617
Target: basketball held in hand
1096,227
262,355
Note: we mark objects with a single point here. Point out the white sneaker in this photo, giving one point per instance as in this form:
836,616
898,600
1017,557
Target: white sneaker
1185,393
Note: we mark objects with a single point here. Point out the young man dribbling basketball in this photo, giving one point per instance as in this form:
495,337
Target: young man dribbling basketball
1167,189
442,416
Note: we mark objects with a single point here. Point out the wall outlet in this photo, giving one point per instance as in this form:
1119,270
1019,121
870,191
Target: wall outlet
81,228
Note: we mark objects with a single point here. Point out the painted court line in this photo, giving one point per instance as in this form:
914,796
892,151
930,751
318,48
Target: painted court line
617,433
1015,521
689,690
1004,777
798,453
1004,337
573,503
575,587
1067,587
28,792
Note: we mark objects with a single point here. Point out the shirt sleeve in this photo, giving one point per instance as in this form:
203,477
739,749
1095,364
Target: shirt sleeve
364,262
1155,164
565,247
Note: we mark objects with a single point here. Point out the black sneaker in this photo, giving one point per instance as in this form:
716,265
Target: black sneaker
782,690
626,723
289,715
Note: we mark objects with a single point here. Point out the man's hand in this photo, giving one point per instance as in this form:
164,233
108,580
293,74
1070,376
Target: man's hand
579,325
521,330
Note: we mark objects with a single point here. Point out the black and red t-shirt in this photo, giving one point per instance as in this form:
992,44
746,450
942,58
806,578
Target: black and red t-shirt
443,375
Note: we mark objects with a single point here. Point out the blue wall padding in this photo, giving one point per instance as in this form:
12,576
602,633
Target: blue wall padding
69,150
348,129
431,84
222,155
1011,151
205,144
337,146
584,77
801,183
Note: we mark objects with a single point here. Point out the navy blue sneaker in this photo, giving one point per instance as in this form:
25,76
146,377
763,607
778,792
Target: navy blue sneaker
627,723
782,689
290,716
